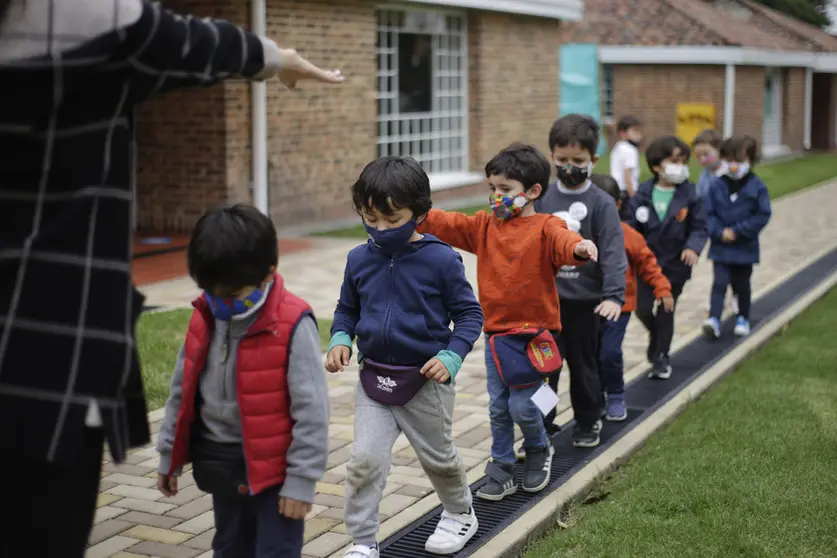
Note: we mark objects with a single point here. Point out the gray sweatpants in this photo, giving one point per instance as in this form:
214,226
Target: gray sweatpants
426,422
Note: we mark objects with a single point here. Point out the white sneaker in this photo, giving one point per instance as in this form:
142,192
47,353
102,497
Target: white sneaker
362,551
452,533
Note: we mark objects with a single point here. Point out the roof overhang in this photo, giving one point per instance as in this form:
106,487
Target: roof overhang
712,55
569,10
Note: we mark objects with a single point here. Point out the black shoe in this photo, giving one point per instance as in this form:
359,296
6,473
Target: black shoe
536,469
661,369
586,436
500,482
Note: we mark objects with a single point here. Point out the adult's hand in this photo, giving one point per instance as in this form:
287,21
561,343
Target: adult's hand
295,68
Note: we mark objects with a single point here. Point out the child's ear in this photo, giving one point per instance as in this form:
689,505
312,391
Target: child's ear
534,192
271,273
594,160
420,219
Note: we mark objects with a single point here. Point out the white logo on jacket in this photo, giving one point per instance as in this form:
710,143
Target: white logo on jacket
642,214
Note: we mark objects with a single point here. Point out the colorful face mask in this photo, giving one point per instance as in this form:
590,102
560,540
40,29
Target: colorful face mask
225,309
710,161
572,176
506,207
392,241
737,171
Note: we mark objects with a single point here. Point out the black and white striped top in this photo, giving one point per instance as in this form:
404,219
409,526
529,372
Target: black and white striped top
71,72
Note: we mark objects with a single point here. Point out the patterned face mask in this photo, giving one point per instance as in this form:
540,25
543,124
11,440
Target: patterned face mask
226,309
506,207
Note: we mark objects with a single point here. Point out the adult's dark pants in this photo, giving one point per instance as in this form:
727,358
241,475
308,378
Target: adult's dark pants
737,276
660,324
49,507
579,345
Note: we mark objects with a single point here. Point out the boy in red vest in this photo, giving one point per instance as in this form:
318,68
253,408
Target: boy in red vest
249,401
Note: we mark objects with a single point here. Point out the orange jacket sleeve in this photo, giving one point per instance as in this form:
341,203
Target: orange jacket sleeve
562,242
457,229
645,264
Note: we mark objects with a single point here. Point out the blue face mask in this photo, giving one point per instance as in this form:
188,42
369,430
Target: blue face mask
225,309
392,241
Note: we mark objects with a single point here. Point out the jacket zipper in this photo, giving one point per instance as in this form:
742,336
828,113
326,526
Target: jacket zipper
389,310
238,399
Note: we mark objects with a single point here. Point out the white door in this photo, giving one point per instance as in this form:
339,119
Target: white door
772,134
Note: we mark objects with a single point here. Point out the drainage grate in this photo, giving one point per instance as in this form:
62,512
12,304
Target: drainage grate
644,395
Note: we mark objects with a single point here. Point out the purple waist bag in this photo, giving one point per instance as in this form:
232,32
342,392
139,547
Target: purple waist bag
389,384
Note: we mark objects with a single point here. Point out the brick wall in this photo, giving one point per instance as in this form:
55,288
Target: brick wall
193,146
749,101
513,82
651,93
793,108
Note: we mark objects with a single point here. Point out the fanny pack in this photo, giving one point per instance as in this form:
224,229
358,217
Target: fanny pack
389,384
219,468
525,356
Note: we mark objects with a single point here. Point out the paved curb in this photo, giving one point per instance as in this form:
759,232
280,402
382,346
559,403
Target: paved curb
542,516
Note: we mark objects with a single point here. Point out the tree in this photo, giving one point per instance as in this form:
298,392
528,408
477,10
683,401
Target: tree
809,11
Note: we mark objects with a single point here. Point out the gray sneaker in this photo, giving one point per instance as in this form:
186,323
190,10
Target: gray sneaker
536,469
500,482
661,369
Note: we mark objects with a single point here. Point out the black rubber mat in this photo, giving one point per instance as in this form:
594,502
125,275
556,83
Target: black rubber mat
643,395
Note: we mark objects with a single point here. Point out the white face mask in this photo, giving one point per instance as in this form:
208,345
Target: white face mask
737,171
675,173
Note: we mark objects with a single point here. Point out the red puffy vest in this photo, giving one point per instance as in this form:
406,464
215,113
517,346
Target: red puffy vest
261,382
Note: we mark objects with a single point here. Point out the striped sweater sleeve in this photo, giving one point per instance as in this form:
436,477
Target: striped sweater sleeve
168,51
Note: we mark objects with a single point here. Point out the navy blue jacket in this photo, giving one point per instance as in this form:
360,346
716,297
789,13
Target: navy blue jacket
682,227
401,308
746,212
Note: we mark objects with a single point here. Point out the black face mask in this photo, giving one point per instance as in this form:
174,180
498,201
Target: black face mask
572,176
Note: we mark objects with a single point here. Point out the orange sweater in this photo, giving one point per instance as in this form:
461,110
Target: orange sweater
517,261
642,262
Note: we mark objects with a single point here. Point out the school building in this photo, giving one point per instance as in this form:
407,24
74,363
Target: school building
450,82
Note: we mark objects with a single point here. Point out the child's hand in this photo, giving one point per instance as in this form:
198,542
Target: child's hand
668,303
293,509
609,310
338,358
728,235
435,370
586,250
167,485
689,257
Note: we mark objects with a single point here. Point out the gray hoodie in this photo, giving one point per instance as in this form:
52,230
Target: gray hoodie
308,453
591,213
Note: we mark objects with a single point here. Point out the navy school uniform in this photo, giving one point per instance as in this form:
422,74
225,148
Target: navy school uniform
743,206
683,226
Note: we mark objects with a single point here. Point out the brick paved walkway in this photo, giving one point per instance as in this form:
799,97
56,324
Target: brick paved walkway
134,520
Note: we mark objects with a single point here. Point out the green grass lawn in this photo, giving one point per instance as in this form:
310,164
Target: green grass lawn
782,178
749,470
159,337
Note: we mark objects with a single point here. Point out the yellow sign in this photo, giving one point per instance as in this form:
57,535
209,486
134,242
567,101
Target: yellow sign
693,118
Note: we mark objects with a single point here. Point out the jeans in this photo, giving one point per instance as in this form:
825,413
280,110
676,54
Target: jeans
737,276
507,407
251,527
611,364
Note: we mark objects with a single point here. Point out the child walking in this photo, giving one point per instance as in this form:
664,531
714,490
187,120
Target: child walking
668,213
592,292
642,264
400,292
519,253
249,402
624,157
707,149
738,208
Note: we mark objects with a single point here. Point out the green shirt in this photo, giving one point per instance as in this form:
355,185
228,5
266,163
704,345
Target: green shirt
661,198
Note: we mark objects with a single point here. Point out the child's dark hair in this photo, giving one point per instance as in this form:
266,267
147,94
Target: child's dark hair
627,122
708,137
391,183
661,149
575,129
523,163
737,147
232,248
606,184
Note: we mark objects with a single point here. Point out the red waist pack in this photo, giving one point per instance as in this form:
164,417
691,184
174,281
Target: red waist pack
525,356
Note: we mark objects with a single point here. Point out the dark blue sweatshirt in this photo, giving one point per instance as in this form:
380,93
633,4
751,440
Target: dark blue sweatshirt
401,308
